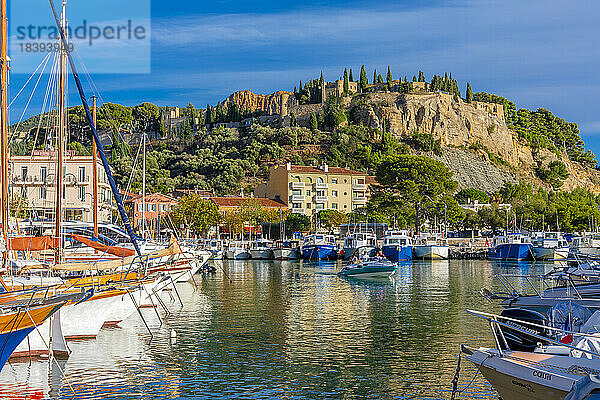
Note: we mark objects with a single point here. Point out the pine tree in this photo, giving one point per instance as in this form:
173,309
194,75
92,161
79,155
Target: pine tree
389,79
421,76
363,78
346,85
469,93
314,124
351,76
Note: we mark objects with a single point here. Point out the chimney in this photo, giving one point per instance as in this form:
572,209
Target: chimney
325,168
288,166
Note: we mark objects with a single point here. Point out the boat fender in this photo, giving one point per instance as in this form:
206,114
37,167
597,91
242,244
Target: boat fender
173,333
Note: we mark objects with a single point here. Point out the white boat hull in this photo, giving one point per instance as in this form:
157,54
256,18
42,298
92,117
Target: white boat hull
549,254
237,254
430,252
261,254
286,254
37,343
84,320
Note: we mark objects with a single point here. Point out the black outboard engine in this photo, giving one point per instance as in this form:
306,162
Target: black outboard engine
520,341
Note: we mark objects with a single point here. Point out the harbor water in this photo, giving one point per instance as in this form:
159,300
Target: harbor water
270,329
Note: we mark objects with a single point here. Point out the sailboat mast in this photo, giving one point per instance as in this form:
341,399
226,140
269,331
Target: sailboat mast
61,133
95,172
4,110
144,187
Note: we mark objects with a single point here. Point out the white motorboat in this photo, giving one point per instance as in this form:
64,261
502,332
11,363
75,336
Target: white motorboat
550,246
237,250
359,243
261,249
430,247
587,245
287,250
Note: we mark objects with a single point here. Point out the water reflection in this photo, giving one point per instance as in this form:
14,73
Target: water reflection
286,329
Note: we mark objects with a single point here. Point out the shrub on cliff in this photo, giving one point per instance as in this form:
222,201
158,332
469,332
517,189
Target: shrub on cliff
555,174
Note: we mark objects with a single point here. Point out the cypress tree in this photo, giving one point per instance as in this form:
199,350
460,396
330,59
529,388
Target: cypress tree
322,80
300,87
363,78
469,94
414,78
375,76
389,78
379,78
314,124
351,77
421,76
405,78
295,90
346,85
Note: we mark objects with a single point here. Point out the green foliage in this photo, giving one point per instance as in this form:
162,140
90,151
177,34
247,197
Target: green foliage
351,76
469,93
389,78
331,218
464,196
335,113
555,174
346,83
296,223
417,180
421,76
445,84
314,124
196,214
363,78
424,142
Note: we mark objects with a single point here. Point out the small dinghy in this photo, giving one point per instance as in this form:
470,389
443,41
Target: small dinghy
374,268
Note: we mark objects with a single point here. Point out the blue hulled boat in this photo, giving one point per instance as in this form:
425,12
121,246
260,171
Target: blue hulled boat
397,246
319,246
511,247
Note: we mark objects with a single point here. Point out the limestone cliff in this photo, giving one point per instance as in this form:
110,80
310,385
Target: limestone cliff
246,100
470,133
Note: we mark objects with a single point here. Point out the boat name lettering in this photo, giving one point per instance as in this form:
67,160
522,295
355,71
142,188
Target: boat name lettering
579,370
524,385
543,375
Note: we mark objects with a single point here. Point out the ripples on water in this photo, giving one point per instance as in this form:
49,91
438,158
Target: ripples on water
285,330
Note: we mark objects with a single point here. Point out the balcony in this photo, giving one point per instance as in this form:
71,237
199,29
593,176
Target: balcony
298,211
320,199
296,198
321,186
359,186
296,185
359,200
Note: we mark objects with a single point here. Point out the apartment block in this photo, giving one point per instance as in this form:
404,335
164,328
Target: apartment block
33,177
308,189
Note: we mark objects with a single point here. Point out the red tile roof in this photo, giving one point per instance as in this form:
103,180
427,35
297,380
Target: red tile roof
237,201
330,170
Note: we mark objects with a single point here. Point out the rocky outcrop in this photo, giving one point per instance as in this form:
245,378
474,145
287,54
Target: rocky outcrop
460,125
248,101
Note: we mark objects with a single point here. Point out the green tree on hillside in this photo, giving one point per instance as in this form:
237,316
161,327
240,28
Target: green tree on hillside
346,85
421,76
351,76
375,76
417,180
363,78
314,124
389,79
469,94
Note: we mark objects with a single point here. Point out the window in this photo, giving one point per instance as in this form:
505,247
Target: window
64,192
42,192
345,205
24,173
153,207
296,192
308,192
334,206
296,205
354,181
319,206
345,180
319,180
24,191
140,207
44,174
81,193
308,179
334,193
308,205
334,181
345,193
81,174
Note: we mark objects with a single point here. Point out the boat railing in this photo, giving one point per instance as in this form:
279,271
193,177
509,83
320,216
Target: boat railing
543,283
502,344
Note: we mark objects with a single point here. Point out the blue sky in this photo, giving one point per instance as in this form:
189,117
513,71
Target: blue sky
536,53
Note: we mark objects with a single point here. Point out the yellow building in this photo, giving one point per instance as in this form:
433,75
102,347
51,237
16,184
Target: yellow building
307,189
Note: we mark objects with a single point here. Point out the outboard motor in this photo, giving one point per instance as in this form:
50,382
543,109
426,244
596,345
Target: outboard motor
520,341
